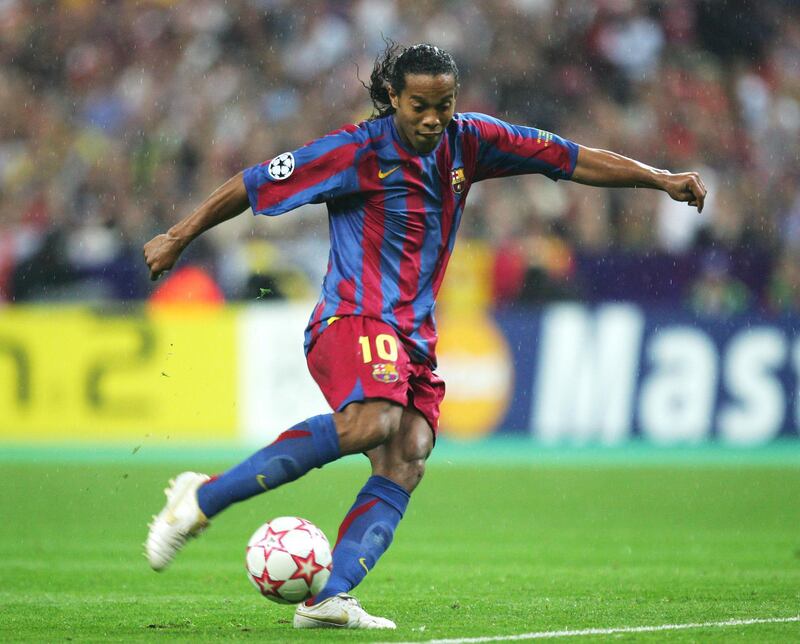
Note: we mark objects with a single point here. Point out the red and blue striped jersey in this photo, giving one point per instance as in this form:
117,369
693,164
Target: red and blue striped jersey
393,214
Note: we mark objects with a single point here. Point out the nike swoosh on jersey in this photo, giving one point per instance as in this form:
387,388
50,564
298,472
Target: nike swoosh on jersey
383,175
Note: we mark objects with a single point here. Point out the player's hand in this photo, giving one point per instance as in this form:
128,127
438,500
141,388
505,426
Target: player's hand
161,253
688,187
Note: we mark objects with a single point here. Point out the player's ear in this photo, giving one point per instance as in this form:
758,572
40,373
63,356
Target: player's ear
393,97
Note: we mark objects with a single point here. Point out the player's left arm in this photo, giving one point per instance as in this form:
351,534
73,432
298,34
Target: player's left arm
611,170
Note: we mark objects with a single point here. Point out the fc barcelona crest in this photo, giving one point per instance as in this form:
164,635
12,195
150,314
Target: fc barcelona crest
385,372
458,180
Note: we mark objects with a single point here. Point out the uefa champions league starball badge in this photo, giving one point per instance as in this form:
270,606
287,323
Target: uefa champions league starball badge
281,167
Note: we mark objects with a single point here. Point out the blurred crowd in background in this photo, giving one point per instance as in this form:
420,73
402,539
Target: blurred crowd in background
117,118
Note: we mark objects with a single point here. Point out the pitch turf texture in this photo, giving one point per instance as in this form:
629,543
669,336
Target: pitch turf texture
491,545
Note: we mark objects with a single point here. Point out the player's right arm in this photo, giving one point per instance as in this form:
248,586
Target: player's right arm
227,201
319,171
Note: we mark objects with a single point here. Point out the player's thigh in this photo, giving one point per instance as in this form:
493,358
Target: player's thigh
363,425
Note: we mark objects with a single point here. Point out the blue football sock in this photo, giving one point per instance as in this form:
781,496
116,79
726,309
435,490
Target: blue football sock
312,443
365,534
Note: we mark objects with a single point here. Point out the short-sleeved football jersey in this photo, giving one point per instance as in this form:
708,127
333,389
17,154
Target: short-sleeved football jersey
393,213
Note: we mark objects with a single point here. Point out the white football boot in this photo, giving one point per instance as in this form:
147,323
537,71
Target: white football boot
180,520
339,611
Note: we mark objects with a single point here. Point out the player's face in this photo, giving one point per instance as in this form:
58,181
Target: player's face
424,108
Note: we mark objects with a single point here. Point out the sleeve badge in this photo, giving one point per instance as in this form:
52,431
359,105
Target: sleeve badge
281,167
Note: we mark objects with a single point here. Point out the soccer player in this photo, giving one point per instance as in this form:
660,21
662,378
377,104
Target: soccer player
395,187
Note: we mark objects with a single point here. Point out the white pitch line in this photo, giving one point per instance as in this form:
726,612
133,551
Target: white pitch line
542,635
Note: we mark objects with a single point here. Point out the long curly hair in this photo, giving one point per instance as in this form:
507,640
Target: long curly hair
395,62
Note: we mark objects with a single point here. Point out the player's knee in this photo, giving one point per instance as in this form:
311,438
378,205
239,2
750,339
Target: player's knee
405,460
415,470
417,445
406,473
417,449
362,426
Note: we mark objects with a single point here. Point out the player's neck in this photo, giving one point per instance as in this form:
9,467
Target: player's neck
401,135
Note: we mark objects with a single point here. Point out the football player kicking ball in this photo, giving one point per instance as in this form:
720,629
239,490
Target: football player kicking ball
395,187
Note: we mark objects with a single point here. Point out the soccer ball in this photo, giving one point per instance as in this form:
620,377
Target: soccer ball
288,560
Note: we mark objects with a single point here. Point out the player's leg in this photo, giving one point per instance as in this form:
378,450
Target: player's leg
368,528
310,444
193,499
398,463
357,364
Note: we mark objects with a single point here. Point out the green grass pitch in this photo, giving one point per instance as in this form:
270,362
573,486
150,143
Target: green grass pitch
486,549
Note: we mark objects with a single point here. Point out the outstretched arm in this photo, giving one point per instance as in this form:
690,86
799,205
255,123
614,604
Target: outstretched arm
612,170
224,203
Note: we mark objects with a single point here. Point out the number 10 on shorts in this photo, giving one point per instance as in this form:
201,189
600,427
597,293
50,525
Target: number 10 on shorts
385,347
